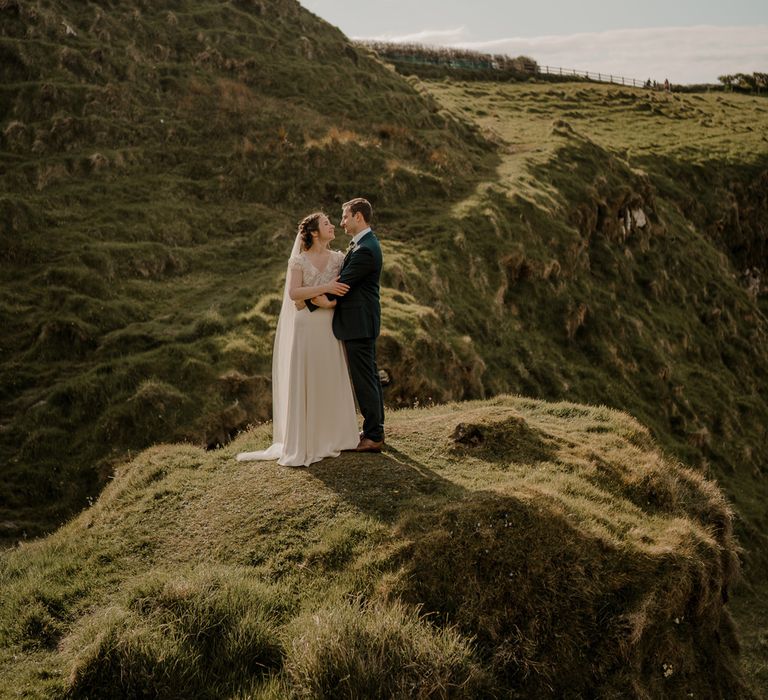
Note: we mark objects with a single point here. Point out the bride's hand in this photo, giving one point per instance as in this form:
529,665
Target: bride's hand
300,304
337,288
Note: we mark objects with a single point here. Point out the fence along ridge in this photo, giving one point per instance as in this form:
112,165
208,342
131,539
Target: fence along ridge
591,75
456,57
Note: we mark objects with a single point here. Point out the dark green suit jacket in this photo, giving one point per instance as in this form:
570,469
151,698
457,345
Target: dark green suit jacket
358,312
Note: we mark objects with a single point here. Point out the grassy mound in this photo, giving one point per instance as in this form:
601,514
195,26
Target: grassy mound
440,568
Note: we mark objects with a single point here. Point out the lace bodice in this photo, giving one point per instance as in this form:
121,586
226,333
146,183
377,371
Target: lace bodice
311,276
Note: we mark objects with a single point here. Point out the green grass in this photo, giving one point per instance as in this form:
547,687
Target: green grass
156,165
654,320
590,563
153,169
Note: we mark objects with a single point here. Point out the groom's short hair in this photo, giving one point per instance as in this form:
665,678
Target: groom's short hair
360,205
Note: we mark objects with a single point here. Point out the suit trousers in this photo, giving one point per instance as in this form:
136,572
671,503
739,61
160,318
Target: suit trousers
361,355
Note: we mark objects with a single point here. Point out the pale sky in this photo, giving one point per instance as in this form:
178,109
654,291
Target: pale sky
686,41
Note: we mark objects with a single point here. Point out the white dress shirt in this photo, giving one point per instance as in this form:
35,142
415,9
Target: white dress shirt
356,238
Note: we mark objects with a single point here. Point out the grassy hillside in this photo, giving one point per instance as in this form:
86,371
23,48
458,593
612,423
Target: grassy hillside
619,224
155,160
140,283
502,548
573,242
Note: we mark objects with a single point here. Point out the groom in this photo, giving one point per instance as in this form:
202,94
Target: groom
357,319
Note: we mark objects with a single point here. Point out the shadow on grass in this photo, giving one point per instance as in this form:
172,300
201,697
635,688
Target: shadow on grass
384,486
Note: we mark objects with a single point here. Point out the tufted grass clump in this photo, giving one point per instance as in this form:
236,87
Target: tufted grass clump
357,650
211,322
189,634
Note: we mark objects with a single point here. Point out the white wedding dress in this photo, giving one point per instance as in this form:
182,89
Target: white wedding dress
313,404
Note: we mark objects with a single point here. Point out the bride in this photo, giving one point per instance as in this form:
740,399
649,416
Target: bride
313,408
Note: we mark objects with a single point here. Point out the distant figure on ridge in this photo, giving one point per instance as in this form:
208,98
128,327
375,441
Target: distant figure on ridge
329,298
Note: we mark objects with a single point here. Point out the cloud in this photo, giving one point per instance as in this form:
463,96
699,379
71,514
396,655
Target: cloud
683,54
431,37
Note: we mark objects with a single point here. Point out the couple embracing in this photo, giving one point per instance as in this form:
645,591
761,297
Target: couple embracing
326,334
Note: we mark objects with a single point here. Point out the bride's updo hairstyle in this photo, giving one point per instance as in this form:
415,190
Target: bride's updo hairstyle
309,225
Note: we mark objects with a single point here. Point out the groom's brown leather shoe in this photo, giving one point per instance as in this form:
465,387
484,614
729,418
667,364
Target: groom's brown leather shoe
368,445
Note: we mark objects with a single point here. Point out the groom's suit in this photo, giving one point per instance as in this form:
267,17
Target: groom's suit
357,322
358,313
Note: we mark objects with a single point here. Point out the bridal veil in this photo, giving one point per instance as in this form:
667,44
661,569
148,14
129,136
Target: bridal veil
281,366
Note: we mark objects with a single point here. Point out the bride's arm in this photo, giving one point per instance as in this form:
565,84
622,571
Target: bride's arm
297,292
